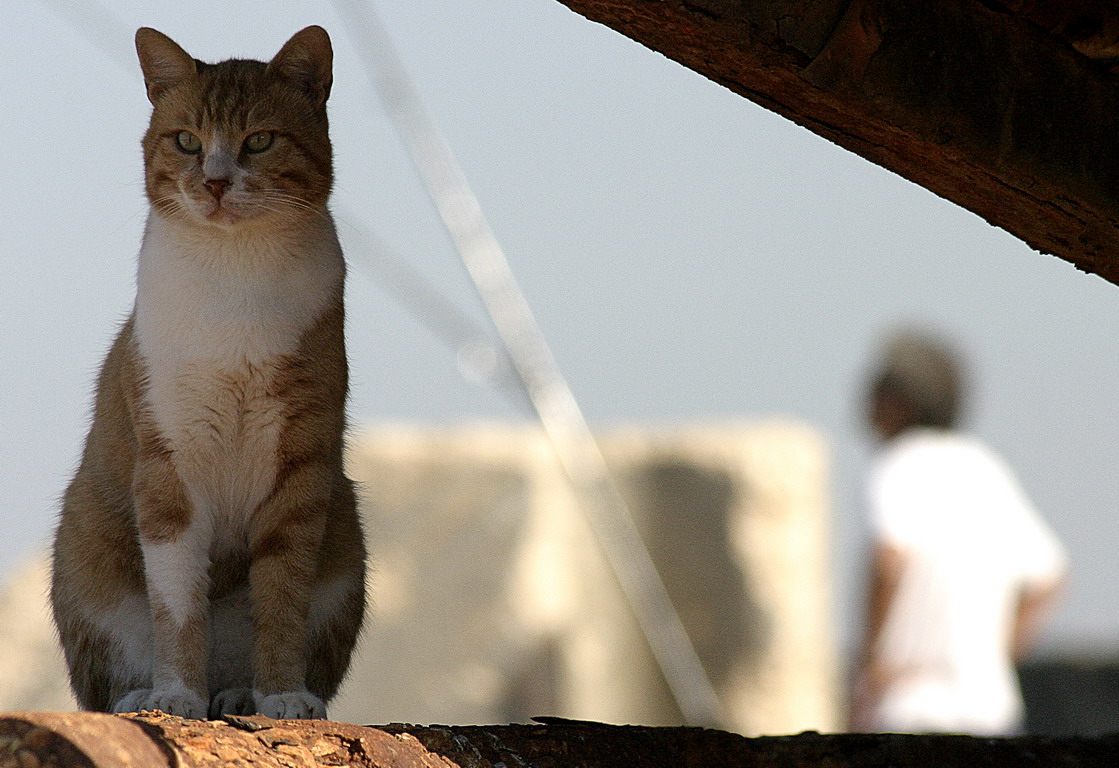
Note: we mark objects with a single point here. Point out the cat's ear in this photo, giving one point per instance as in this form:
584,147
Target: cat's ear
165,64
307,59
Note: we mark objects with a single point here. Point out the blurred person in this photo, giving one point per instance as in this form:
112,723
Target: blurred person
963,567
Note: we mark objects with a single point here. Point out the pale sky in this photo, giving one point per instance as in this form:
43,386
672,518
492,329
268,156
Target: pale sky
690,256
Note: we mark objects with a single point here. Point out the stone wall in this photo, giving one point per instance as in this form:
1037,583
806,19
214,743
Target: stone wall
491,602
32,673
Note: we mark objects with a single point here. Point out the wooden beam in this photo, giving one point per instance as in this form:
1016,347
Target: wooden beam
155,740
987,104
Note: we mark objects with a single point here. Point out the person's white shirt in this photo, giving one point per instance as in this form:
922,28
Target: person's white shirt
971,542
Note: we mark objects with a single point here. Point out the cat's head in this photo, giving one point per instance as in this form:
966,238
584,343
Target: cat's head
240,142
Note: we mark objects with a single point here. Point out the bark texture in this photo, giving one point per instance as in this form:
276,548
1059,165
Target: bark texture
1009,109
154,740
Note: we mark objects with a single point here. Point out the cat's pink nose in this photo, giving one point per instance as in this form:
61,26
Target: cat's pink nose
217,187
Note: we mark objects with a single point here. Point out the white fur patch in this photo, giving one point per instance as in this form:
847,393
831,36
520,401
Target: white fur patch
178,571
301,705
129,624
220,161
173,699
216,310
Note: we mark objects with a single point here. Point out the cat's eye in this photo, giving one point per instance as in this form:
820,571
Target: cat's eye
188,142
259,141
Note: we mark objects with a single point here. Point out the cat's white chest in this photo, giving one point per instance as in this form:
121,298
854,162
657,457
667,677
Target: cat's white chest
213,326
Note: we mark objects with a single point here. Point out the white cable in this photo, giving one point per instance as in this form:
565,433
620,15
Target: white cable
555,405
101,27
480,358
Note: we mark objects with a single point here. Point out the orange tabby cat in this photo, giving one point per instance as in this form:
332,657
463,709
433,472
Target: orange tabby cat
209,557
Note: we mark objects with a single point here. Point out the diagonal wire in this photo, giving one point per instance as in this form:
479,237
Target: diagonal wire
100,26
556,407
478,355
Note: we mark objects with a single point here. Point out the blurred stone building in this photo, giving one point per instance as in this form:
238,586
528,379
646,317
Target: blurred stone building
491,601
32,673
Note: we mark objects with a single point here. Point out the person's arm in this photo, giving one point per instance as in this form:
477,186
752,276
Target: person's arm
887,564
1034,606
885,575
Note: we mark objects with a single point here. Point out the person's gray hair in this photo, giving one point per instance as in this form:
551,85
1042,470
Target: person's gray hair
926,373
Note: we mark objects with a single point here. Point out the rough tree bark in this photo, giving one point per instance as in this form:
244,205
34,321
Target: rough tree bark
1006,107
154,740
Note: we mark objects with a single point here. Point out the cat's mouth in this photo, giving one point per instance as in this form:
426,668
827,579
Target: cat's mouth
222,213
230,209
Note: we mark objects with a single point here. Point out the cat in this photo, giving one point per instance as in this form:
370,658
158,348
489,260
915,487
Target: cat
209,558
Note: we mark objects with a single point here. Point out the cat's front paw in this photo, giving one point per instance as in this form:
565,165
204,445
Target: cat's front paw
132,701
300,705
181,702
232,701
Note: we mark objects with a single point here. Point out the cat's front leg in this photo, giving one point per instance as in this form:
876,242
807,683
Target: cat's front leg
284,550
175,540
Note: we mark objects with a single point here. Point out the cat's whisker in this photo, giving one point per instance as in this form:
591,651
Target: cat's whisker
286,215
288,204
281,194
286,194
170,204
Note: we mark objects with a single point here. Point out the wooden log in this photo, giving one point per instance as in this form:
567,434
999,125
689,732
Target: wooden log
999,107
155,740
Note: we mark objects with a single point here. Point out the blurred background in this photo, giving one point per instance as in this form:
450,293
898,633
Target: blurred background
692,259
